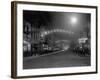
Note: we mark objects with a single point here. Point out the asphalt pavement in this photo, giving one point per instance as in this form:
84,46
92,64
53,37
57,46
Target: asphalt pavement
58,59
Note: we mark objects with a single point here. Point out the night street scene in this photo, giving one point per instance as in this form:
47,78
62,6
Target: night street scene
56,39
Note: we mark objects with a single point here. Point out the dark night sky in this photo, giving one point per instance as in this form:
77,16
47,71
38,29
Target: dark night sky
61,20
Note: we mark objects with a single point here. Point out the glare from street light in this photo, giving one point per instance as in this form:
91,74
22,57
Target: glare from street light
45,33
73,20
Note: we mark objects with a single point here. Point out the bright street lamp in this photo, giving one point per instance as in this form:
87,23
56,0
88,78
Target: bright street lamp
73,20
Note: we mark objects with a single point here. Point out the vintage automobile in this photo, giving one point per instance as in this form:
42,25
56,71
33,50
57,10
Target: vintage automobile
40,49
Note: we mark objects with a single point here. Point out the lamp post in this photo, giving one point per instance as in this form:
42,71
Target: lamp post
73,20
73,23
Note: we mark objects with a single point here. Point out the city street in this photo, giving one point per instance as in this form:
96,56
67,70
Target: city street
59,59
46,32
